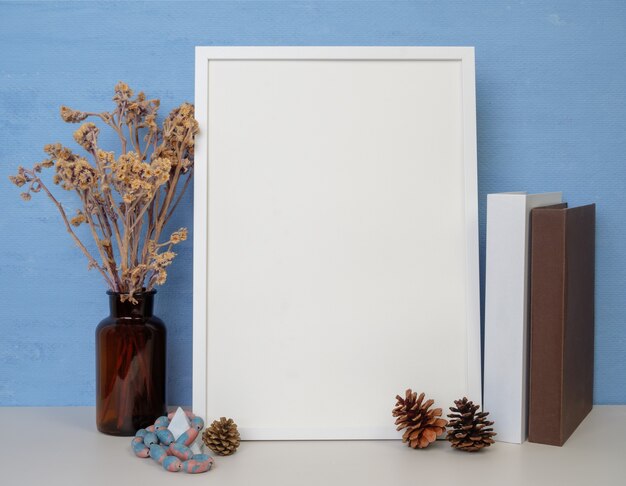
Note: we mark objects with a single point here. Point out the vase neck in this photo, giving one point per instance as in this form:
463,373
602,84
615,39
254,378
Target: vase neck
129,310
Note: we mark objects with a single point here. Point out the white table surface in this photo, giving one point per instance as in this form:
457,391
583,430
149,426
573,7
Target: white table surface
61,446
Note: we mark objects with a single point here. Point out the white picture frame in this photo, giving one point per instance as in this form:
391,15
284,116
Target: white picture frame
335,236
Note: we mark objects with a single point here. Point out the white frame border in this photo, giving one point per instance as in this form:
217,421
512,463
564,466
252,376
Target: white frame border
204,55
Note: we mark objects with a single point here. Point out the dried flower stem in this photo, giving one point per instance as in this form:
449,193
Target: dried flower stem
92,261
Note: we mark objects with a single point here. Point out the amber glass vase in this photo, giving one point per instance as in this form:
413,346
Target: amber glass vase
130,366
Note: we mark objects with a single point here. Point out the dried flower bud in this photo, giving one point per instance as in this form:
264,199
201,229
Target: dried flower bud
87,136
72,116
25,196
75,173
58,151
78,219
122,92
150,122
106,157
178,236
19,180
138,180
161,277
180,126
51,149
186,164
165,259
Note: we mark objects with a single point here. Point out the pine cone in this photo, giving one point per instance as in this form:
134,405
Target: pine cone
470,431
222,437
422,425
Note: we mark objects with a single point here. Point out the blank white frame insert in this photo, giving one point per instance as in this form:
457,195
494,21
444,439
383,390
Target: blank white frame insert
335,236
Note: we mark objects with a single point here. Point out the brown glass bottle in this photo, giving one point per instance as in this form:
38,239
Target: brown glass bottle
130,366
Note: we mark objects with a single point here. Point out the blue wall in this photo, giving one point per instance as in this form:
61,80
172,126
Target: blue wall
551,95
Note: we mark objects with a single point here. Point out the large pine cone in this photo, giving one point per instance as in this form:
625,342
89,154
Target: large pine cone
222,436
470,431
422,425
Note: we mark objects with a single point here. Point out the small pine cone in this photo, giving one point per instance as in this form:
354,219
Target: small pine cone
222,437
422,425
469,431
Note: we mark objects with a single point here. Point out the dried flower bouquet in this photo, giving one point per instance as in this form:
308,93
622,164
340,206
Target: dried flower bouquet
126,201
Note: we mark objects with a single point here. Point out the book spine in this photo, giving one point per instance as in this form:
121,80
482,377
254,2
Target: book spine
548,293
504,315
579,317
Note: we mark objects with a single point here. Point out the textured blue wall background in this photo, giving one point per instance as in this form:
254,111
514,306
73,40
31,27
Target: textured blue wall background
551,92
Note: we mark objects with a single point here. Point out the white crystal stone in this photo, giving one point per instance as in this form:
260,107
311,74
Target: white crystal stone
179,423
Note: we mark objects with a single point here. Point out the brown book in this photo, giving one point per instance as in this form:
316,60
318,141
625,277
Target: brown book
562,321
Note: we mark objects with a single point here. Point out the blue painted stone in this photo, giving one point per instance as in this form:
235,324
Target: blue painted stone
199,463
172,464
150,438
139,448
165,436
181,451
158,453
188,437
197,422
202,457
161,422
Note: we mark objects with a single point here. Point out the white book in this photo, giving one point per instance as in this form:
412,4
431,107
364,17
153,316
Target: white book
505,393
